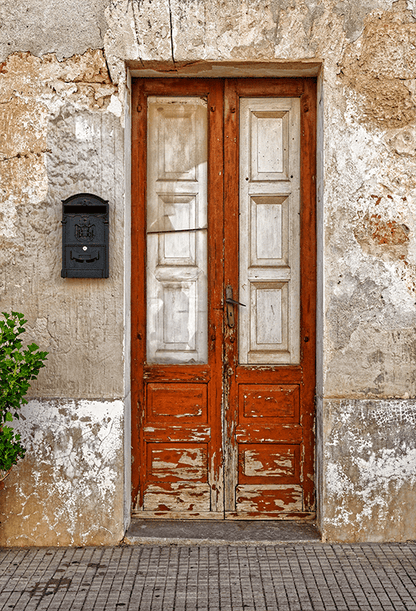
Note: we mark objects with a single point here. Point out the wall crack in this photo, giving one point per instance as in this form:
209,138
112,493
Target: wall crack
26,155
171,32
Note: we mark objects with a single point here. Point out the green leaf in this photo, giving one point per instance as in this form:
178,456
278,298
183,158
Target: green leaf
18,366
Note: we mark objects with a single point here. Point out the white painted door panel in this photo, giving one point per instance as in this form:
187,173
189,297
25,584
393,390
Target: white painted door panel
269,231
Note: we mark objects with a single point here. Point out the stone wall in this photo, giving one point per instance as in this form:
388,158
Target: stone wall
63,116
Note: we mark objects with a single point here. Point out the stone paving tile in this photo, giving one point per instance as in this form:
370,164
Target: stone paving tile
288,577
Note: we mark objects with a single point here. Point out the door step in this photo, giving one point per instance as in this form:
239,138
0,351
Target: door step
210,532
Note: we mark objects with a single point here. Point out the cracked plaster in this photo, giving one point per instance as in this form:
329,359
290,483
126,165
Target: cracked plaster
68,489
370,466
62,106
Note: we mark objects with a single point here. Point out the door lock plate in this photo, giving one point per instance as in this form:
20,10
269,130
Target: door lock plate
230,306
230,303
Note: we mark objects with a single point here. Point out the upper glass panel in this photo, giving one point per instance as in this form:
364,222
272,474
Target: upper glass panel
177,237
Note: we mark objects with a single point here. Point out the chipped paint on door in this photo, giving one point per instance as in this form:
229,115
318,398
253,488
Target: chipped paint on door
269,262
224,350
177,350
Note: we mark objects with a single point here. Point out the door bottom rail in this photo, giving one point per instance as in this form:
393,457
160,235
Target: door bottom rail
228,515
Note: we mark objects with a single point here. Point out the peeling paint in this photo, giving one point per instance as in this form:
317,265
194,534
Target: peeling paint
380,66
370,470
68,489
58,139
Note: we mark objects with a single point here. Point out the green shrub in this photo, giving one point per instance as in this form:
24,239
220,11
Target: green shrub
18,366
10,448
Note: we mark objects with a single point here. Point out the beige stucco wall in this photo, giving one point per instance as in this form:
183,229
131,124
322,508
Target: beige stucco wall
62,132
63,121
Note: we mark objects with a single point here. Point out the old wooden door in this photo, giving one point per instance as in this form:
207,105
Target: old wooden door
223,298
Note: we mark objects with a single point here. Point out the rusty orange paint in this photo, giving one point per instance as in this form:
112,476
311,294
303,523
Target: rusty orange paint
270,409
183,465
280,402
176,440
390,233
269,463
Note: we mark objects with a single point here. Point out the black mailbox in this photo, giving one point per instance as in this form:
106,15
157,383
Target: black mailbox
85,237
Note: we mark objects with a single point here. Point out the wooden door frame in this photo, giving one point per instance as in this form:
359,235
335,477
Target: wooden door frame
305,89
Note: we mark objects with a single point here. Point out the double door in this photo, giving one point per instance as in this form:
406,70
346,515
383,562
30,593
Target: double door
223,298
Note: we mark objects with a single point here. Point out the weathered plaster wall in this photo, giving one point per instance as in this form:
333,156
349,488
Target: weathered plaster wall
367,197
62,132
369,338
370,470
64,27
69,488
370,221
64,122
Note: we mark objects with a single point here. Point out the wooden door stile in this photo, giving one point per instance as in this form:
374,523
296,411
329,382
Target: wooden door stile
138,286
231,236
308,242
215,284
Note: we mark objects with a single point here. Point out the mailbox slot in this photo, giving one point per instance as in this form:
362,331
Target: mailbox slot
85,236
69,209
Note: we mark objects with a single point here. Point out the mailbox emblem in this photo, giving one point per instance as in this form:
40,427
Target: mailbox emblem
84,232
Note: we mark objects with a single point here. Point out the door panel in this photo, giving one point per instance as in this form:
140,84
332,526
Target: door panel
269,231
223,394
269,390
176,341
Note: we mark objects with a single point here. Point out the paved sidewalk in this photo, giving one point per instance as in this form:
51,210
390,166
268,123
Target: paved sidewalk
285,577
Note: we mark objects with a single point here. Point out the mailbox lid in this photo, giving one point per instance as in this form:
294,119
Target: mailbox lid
85,203
80,263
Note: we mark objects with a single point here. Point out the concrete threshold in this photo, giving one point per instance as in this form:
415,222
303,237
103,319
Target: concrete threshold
213,532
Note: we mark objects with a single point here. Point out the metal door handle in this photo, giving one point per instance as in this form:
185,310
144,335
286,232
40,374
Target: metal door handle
230,302
234,302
